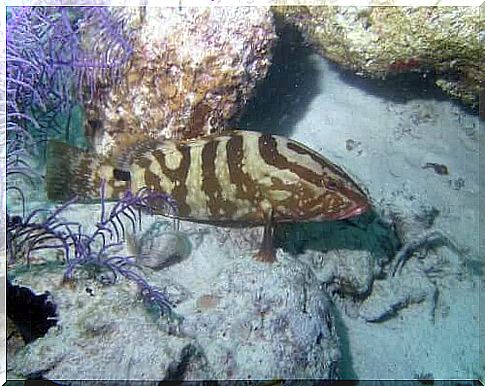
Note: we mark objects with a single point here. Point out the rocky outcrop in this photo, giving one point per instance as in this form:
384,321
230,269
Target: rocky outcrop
192,69
236,318
383,41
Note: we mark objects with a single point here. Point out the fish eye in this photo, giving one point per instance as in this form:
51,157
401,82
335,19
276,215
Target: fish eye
331,185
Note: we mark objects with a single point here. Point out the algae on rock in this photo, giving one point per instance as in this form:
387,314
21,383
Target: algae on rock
191,71
382,41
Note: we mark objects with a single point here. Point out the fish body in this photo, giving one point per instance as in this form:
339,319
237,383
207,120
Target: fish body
235,178
239,177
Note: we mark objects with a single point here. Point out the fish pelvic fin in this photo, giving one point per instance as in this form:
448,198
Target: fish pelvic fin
73,172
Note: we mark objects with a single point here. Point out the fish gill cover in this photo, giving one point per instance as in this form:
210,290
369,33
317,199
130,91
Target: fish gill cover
51,71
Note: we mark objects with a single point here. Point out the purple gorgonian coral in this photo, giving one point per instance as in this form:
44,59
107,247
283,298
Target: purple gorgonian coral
43,229
52,69
93,250
55,64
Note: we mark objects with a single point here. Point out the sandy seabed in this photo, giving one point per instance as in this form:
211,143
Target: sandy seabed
388,134
394,137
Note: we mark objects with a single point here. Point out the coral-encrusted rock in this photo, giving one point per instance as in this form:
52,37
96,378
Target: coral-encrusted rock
191,71
381,41
266,321
235,318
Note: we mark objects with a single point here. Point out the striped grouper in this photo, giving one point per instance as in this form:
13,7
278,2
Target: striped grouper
237,178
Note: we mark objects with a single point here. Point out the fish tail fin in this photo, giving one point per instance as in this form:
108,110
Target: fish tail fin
71,171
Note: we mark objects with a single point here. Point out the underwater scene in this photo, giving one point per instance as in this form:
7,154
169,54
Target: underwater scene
287,194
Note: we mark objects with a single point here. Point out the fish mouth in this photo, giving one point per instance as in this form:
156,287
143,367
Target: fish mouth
356,210
353,211
360,205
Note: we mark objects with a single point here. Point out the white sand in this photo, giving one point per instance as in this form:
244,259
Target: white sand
390,161
396,140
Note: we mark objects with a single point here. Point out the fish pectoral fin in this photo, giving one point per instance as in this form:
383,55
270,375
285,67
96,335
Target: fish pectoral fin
267,252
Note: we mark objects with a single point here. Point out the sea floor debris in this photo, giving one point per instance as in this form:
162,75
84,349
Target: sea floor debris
423,243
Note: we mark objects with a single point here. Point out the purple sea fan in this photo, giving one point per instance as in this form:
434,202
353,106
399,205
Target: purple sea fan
47,55
43,229
51,69
111,227
36,85
49,73
93,250
107,48
25,234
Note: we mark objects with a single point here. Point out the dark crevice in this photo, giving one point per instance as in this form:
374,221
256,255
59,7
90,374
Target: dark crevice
177,370
32,314
284,96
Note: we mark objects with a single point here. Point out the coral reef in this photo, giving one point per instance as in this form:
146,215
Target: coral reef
283,326
410,281
192,70
94,251
105,333
384,41
243,319
49,74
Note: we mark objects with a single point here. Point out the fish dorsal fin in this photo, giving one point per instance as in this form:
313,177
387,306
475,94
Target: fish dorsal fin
131,147
124,156
134,146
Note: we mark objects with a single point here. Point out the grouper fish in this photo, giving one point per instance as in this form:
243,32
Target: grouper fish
237,178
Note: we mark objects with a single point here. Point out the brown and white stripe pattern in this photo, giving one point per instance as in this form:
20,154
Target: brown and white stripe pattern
246,177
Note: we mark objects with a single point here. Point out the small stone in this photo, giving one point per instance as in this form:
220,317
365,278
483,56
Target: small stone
167,249
438,168
206,302
457,184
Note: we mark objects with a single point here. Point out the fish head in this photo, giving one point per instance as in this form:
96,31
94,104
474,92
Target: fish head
340,198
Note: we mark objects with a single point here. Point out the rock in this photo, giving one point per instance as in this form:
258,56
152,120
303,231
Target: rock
235,318
348,272
263,321
191,71
395,293
346,256
15,341
384,41
105,333
159,246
